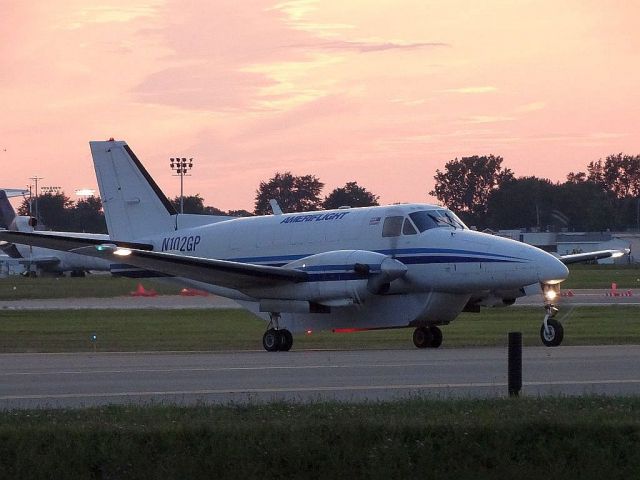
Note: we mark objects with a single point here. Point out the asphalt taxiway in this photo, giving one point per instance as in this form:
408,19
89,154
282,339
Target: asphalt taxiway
80,380
163,302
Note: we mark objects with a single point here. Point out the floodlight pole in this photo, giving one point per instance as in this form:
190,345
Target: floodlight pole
35,179
181,166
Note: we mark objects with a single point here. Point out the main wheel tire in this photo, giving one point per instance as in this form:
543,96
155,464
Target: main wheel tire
422,337
554,336
436,337
271,340
286,340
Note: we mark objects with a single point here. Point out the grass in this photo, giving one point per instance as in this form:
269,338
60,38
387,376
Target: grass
558,438
183,330
602,276
18,287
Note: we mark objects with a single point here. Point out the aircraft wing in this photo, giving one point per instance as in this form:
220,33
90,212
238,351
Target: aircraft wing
224,273
40,261
583,257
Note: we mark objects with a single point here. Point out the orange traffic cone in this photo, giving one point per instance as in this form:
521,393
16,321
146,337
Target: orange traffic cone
141,292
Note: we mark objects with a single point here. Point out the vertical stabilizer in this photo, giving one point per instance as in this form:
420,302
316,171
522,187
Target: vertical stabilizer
8,220
7,213
134,206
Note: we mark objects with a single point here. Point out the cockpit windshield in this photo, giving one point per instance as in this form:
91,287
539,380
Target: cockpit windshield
441,217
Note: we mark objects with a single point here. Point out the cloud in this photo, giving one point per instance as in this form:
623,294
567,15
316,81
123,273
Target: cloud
116,12
483,89
488,118
607,135
367,47
531,107
199,87
297,13
408,102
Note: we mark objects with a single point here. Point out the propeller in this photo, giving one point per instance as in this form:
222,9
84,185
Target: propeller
390,270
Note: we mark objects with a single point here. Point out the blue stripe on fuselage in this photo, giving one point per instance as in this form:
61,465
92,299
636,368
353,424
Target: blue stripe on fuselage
404,255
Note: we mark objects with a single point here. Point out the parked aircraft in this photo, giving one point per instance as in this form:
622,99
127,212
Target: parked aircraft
350,269
36,259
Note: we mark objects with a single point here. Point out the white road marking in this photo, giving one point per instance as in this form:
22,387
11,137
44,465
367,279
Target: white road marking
346,388
230,369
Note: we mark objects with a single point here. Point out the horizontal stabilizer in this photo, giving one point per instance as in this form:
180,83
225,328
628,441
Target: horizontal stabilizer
15,192
64,243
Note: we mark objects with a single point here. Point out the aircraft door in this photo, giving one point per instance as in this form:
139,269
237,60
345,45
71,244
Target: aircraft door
243,241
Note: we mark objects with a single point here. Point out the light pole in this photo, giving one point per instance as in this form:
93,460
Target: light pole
181,166
35,179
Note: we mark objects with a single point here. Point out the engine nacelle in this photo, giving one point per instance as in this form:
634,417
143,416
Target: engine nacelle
338,278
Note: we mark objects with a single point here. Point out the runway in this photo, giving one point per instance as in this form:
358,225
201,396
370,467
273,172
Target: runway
164,302
80,380
587,297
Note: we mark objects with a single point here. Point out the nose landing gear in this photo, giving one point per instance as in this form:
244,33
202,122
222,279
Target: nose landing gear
551,331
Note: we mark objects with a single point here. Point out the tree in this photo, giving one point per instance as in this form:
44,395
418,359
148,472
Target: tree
54,210
619,174
87,216
578,177
466,184
352,195
239,213
293,193
618,177
586,205
521,202
194,204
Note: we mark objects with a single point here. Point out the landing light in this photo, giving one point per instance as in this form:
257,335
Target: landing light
550,294
123,252
617,254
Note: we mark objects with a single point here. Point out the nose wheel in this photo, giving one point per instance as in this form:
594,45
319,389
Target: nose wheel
551,331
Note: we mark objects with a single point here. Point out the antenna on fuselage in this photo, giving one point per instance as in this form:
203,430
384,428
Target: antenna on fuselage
275,208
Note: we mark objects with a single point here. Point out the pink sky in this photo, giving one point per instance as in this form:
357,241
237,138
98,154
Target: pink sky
382,93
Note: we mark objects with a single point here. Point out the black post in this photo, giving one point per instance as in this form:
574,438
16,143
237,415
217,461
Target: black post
515,363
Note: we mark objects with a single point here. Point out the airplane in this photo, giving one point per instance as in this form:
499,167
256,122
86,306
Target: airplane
16,192
350,269
44,260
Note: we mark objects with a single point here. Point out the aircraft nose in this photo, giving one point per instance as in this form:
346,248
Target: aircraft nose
551,269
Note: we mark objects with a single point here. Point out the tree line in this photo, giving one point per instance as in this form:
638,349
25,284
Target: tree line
483,192
58,212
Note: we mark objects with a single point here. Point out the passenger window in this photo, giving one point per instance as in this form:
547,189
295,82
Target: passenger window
392,226
408,228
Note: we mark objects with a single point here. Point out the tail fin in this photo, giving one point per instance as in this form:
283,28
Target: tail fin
134,206
8,220
7,213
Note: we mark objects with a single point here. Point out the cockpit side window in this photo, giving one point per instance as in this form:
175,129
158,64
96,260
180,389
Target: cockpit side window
392,226
408,228
427,219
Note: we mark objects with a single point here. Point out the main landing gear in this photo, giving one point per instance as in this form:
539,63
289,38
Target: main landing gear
551,331
427,337
276,339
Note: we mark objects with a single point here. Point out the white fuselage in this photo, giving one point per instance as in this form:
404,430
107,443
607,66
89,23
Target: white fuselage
446,265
